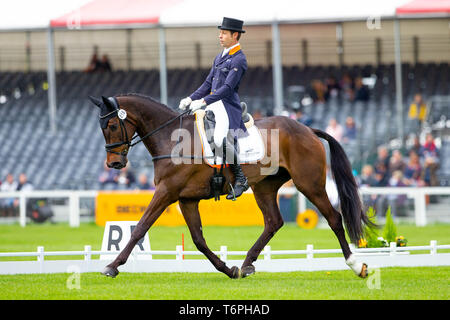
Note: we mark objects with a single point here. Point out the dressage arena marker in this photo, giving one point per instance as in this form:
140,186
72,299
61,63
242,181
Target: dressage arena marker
116,236
374,257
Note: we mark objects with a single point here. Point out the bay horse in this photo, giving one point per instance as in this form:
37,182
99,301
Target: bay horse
302,158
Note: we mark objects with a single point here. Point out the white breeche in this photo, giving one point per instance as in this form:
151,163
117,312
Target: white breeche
222,123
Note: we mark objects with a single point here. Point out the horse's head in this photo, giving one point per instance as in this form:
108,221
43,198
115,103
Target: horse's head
117,129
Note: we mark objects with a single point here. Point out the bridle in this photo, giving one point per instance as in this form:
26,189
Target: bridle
125,140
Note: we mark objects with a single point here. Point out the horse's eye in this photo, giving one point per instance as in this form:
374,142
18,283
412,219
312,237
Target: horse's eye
113,127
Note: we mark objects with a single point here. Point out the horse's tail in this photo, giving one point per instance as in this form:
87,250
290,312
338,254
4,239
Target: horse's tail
351,206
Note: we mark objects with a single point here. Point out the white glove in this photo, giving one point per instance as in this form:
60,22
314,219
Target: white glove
197,104
184,103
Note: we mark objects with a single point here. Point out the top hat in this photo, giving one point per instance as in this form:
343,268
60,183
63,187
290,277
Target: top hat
232,24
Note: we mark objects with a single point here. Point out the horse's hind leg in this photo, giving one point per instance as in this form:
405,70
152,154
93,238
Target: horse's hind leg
312,184
189,208
265,193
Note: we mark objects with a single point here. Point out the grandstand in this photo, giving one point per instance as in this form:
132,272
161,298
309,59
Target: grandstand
311,49
73,158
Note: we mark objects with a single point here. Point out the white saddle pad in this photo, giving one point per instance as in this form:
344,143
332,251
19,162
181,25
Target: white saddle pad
251,147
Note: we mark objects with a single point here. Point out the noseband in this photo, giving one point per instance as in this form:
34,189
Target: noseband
125,141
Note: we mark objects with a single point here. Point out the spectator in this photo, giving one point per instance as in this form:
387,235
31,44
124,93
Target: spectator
108,177
24,184
430,149
350,130
335,130
361,91
288,203
431,161
9,184
396,162
303,118
94,64
367,179
397,202
413,170
318,91
347,87
143,183
417,110
417,147
333,87
105,64
382,166
7,204
126,178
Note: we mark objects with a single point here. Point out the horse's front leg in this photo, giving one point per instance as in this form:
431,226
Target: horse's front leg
189,208
159,203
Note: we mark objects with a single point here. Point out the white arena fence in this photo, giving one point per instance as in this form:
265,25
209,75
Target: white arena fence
73,196
391,256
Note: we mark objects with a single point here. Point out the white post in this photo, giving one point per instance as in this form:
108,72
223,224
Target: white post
40,259
301,202
223,253
74,210
309,251
277,69
179,254
392,248
23,209
87,257
420,208
267,253
433,245
51,79
162,66
398,79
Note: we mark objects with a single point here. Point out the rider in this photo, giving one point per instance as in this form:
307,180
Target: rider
219,93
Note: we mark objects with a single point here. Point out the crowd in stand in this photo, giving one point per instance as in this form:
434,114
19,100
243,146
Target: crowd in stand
349,88
123,179
10,206
415,168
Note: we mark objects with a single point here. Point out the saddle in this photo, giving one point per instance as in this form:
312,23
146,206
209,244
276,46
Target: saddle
251,146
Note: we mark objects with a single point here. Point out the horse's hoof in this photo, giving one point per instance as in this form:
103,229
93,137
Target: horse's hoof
247,271
364,271
110,272
235,272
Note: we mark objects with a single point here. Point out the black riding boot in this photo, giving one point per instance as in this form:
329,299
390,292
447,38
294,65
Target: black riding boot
240,182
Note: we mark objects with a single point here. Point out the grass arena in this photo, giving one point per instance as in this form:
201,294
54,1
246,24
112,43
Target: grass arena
201,150
392,283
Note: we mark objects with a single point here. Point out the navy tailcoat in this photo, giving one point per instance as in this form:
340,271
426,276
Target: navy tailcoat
222,83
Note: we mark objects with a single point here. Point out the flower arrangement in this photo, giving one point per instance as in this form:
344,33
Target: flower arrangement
372,238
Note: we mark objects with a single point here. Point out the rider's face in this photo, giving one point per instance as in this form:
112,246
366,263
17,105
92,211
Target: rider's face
227,39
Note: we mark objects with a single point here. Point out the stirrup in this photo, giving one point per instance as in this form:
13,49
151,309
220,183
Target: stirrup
231,193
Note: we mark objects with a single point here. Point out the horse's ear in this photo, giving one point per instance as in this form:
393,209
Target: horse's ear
95,101
106,101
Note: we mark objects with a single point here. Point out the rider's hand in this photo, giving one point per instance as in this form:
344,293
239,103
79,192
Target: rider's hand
197,104
184,103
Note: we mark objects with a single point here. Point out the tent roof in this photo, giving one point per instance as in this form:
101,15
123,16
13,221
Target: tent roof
118,12
28,15
425,7
211,12
170,13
